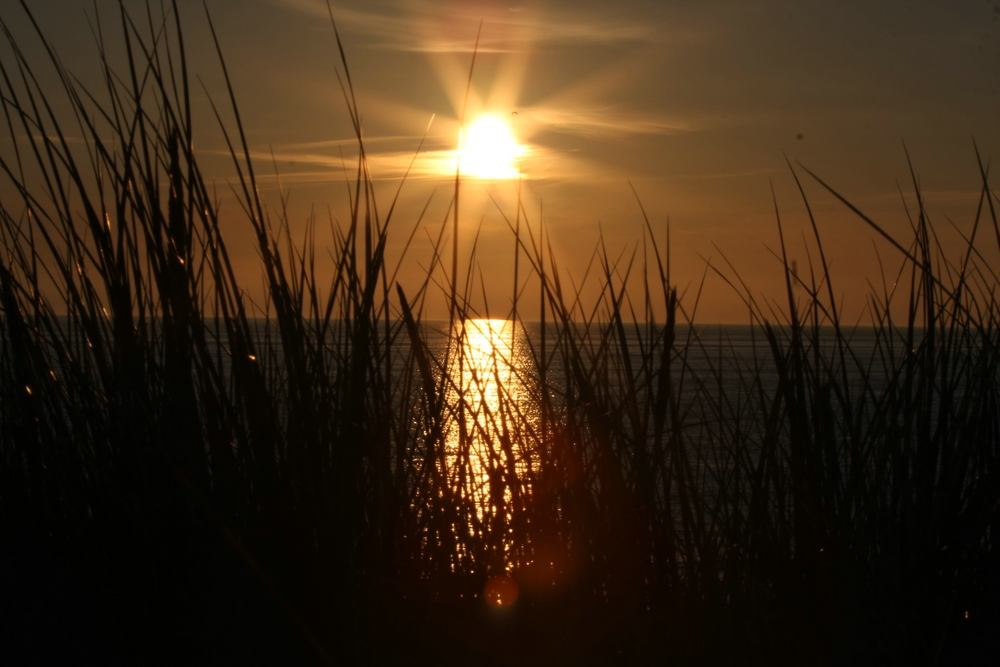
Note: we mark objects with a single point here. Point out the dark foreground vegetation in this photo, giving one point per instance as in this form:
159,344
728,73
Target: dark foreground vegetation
189,477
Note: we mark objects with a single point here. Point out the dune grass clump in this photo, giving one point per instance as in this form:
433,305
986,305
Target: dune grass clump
329,468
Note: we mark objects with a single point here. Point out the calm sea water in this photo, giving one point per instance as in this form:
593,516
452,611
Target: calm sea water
720,360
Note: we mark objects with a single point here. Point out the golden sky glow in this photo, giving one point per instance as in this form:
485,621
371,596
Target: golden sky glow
695,105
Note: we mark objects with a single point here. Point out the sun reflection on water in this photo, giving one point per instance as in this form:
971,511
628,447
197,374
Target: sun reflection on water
492,401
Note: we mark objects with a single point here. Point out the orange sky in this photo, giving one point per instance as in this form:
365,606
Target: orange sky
693,102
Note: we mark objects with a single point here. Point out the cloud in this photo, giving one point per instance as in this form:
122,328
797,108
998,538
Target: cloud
391,156
601,123
300,163
431,28
323,163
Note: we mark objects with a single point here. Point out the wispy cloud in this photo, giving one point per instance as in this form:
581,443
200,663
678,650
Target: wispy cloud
311,164
602,122
391,156
430,27
296,164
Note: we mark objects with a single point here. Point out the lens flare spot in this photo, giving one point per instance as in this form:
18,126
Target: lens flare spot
501,591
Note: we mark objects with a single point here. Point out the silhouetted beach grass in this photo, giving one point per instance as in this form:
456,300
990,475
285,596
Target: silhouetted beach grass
329,477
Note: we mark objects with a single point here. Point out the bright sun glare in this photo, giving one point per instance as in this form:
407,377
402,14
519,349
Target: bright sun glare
489,150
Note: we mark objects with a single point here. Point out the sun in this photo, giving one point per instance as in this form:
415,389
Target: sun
489,150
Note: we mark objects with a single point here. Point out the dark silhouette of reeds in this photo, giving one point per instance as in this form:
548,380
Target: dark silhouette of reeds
322,467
